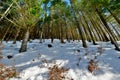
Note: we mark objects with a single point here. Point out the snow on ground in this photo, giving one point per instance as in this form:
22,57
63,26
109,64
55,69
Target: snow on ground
34,64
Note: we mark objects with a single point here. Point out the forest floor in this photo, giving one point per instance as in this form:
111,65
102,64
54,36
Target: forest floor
71,58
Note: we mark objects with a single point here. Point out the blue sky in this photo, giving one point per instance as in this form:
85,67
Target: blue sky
67,1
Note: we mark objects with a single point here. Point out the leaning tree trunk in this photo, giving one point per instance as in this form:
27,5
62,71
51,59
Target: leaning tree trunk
7,10
78,26
116,32
101,28
5,33
85,30
111,35
99,33
24,42
17,34
115,17
104,35
89,29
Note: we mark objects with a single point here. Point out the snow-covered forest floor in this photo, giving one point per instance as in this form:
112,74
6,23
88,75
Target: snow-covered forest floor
35,64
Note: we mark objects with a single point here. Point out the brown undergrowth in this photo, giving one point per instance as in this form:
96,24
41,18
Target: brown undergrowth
92,66
7,72
57,73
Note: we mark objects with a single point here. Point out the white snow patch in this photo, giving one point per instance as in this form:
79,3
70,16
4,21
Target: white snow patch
34,64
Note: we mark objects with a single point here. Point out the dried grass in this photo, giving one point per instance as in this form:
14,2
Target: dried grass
92,66
7,72
57,73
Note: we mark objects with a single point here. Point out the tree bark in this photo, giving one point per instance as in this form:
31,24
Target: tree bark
116,32
24,42
17,34
41,34
62,34
5,33
89,29
78,26
115,17
111,35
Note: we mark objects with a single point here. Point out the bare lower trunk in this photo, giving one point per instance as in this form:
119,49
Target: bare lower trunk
24,42
41,34
67,34
61,34
17,34
78,26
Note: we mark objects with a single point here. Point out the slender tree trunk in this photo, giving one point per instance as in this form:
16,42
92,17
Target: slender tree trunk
8,37
99,33
111,35
67,34
72,34
115,17
103,33
17,34
89,30
99,24
67,31
41,34
5,33
78,26
116,32
62,34
3,15
24,42
51,32
85,30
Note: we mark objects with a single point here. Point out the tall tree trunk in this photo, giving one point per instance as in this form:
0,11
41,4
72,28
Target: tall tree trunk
5,33
51,31
111,35
115,17
97,29
17,34
116,32
41,34
62,34
104,35
67,31
85,30
67,34
78,25
24,42
102,29
89,29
